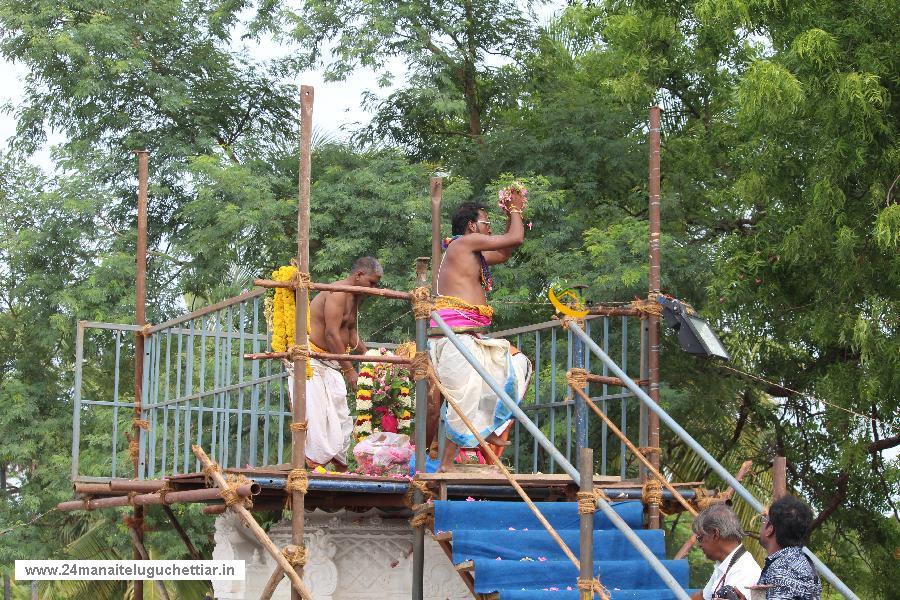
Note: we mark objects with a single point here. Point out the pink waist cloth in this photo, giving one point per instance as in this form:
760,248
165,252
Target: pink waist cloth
459,317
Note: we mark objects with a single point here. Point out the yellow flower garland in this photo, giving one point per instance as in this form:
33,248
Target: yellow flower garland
284,313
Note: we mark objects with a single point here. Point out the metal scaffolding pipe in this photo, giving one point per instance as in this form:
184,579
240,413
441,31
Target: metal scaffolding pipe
701,451
566,466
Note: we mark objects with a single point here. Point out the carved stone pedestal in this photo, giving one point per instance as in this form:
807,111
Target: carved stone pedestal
352,556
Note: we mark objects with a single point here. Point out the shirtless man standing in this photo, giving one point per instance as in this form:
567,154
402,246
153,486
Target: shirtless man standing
333,328
463,281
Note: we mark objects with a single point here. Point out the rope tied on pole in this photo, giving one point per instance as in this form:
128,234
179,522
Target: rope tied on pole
651,493
577,378
301,352
297,482
299,426
569,320
417,485
421,303
423,517
300,279
295,555
229,492
587,501
420,367
647,307
646,451
703,498
208,470
165,489
593,586
131,496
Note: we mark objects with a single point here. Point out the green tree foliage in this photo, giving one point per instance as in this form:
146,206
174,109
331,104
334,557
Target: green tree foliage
455,53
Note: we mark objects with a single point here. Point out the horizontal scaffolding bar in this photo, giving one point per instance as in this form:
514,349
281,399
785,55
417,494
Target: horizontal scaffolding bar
397,360
338,287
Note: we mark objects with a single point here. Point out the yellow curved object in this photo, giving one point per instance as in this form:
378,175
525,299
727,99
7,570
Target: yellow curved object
569,311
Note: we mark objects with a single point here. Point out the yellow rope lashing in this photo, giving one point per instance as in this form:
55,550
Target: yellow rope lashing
593,586
297,481
414,486
208,470
647,307
651,493
295,555
421,303
229,492
423,518
577,378
299,426
420,366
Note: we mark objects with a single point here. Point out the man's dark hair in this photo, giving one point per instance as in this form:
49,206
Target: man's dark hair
467,211
791,518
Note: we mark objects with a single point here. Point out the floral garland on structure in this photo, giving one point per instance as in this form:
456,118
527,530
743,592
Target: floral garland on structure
284,313
383,399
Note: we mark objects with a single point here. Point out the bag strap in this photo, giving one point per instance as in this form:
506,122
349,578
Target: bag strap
734,558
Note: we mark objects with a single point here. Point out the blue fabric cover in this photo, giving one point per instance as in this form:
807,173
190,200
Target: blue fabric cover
564,594
494,575
455,515
515,545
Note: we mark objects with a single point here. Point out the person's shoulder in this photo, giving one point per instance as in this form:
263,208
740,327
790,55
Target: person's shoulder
747,562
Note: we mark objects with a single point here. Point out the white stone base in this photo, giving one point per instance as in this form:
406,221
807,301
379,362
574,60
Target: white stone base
352,556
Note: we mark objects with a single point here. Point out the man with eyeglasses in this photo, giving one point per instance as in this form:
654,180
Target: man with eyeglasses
788,573
463,282
719,535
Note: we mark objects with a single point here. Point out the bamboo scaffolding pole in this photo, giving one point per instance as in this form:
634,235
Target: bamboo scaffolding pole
614,311
653,288
397,360
637,453
142,485
586,521
337,287
144,555
253,526
437,189
155,499
140,319
607,380
301,301
726,495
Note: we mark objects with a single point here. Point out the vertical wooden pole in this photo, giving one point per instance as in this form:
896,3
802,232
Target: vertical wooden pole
586,557
779,477
437,188
418,582
140,319
298,411
654,285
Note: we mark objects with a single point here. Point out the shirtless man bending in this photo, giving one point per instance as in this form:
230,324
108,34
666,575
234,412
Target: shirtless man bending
463,282
333,329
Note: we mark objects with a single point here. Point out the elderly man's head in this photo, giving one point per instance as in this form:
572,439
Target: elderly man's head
718,531
366,272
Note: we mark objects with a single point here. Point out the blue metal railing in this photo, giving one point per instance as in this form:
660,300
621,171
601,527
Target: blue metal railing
550,405
199,389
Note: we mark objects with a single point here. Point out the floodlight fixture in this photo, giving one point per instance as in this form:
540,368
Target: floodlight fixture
695,336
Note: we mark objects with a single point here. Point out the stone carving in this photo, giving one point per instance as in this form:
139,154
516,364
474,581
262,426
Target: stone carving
351,556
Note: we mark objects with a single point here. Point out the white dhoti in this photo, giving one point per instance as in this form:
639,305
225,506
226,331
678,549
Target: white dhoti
330,423
473,395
